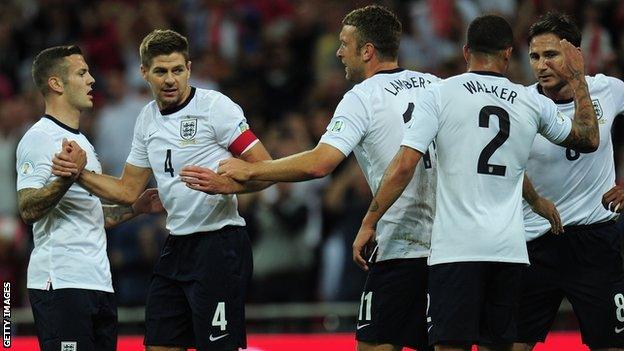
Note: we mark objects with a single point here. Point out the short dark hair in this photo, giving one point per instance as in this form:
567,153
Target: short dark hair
376,25
51,62
489,34
558,24
162,42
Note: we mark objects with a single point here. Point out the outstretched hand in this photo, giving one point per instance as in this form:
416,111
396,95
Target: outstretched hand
236,169
204,179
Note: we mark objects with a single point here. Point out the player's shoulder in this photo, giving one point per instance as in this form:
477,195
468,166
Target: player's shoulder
42,128
207,100
38,134
600,82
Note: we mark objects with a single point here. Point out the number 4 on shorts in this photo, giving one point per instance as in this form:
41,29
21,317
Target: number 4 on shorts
218,320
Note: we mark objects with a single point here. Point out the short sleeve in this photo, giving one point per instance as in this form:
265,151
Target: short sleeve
553,124
348,125
138,151
424,126
616,86
34,160
230,125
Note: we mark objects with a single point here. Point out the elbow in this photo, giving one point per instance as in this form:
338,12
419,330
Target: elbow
27,216
590,146
127,199
319,170
404,172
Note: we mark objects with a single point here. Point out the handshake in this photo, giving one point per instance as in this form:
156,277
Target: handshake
70,161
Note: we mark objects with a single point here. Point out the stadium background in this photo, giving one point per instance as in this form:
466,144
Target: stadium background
276,58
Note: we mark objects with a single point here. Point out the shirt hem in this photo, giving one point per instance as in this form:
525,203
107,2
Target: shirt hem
71,286
394,257
477,259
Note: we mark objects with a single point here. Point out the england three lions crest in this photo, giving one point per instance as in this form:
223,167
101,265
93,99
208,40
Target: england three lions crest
188,128
598,110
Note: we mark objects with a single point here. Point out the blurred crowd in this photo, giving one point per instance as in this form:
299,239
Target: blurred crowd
276,58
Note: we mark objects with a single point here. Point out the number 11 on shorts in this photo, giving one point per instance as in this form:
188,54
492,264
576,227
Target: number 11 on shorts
365,306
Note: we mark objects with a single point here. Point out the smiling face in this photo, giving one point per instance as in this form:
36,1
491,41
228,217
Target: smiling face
168,77
349,54
78,82
546,48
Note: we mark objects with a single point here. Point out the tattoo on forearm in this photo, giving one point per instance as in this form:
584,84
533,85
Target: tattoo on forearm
585,123
36,203
374,206
115,214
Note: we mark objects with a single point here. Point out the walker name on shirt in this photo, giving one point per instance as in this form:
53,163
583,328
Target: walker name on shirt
402,84
501,93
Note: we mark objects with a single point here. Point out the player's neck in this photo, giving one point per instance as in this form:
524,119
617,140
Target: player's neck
559,93
487,64
66,114
376,67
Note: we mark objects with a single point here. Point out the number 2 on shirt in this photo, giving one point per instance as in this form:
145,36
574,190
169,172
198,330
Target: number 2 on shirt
483,166
168,166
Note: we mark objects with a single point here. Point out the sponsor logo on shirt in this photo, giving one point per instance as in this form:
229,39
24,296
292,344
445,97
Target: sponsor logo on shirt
26,168
188,128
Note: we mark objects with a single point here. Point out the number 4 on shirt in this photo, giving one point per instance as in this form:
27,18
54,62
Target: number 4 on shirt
168,166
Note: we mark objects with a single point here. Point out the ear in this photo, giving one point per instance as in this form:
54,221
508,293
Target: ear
188,67
367,52
466,53
508,52
144,71
56,84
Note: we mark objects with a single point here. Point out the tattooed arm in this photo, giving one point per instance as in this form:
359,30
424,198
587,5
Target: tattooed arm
584,135
395,179
34,204
148,202
115,214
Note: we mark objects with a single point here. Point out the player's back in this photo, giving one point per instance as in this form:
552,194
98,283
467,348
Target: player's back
486,125
371,120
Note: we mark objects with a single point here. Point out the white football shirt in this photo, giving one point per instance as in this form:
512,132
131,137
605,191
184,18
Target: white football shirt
484,126
575,182
70,242
370,121
206,128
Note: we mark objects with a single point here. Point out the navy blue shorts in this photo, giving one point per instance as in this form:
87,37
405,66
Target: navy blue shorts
473,303
583,264
74,319
393,304
197,293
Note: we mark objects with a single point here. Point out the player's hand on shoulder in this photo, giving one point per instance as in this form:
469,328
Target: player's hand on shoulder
613,200
148,202
235,168
362,246
548,210
70,161
206,180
